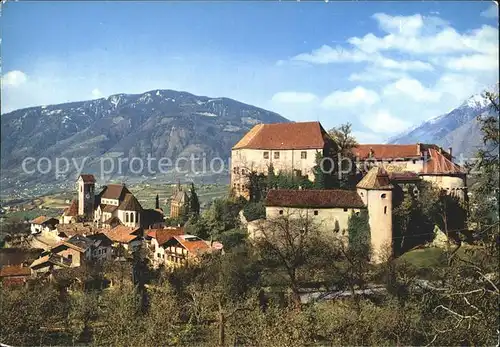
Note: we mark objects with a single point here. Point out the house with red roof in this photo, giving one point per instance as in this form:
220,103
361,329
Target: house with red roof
14,275
430,162
43,223
157,238
290,147
180,250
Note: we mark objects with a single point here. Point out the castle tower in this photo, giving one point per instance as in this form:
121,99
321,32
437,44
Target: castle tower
86,196
375,190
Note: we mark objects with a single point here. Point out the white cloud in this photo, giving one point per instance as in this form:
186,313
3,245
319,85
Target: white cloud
351,98
14,78
376,75
435,37
327,55
491,12
383,122
404,25
293,97
368,137
96,93
412,88
474,62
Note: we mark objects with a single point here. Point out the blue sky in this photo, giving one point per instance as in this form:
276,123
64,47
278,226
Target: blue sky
383,66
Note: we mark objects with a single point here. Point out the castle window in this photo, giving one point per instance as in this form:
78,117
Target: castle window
276,155
303,155
315,212
385,209
345,209
126,217
361,194
281,212
131,218
242,171
383,196
414,161
266,155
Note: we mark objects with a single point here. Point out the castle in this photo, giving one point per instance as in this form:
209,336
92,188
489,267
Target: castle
390,171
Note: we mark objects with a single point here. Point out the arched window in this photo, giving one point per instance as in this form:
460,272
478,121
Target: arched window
385,209
383,196
132,217
126,217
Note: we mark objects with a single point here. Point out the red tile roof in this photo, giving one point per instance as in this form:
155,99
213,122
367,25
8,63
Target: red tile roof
72,210
386,151
108,208
43,219
88,178
163,235
404,176
130,203
14,270
113,191
334,198
439,164
306,135
195,246
376,178
122,234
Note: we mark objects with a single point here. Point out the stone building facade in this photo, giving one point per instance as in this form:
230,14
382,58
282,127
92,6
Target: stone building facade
289,147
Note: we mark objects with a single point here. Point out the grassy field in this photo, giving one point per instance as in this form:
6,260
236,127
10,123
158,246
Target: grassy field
434,257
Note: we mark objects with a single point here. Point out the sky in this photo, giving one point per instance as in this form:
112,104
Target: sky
382,66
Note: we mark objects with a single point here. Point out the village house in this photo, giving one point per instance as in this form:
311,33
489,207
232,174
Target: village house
14,275
74,252
130,238
288,147
180,250
43,224
70,214
430,162
157,239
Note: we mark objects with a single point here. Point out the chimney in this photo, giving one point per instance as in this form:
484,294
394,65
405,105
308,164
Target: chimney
450,151
419,148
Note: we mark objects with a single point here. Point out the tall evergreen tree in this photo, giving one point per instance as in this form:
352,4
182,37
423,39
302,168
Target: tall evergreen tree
319,175
194,202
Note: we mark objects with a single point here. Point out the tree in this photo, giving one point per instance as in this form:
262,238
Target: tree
292,248
485,192
319,174
194,202
346,142
256,185
358,229
254,210
157,202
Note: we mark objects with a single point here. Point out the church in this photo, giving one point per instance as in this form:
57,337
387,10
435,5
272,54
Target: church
113,205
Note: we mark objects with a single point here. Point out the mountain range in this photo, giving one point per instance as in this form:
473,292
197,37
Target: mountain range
458,129
169,124
160,123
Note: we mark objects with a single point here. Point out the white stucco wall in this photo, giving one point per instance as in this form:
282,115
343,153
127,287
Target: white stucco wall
379,204
253,160
324,218
454,185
